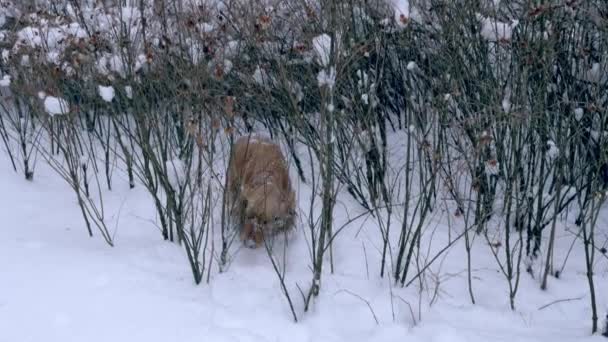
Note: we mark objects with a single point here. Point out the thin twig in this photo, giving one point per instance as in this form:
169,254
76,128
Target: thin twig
560,301
364,300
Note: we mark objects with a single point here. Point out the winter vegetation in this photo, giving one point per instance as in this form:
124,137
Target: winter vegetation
449,158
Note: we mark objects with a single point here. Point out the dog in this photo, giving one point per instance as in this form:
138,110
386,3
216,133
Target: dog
261,197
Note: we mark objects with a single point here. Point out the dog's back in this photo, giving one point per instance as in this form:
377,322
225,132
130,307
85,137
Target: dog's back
257,159
259,185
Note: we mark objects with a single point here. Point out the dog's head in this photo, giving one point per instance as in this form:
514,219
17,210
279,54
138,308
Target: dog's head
268,210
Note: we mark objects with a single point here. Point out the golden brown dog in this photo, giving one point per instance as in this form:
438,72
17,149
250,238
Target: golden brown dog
259,189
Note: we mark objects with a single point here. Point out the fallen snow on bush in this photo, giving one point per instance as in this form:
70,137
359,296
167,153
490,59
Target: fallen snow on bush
322,46
5,81
129,92
325,78
260,76
50,38
56,106
496,31
106,93
553,151
404,12
578,113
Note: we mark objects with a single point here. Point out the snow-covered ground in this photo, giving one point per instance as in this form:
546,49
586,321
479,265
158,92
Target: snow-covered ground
57,284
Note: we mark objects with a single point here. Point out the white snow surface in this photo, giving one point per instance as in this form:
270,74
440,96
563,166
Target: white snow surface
176,172
59,285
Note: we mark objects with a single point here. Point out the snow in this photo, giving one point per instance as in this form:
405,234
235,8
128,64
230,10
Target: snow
68,69
327,79
363,82
56,106
129,92
50,38
75,30
60,285
130,14
232,49
495,31
52,57
29,36
506,105
402,11
296,89
322,47
57,284
578,113
506,101
25,60
365,98
223,67
596,75
109,63
140,62
227,66
176,173
261,77
492,167
102,65
5,81
553,151
206,27
116,65
106,93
